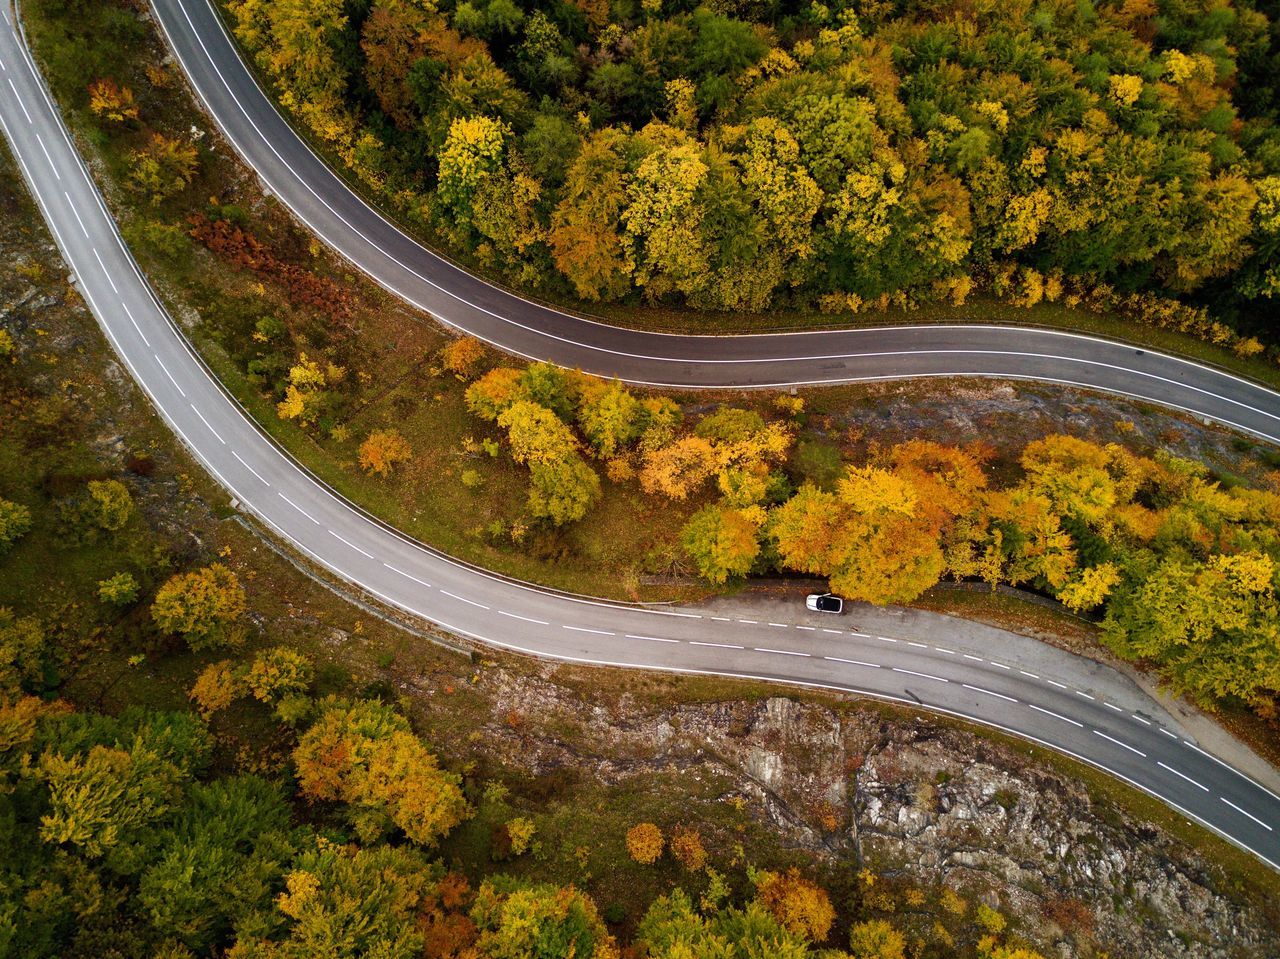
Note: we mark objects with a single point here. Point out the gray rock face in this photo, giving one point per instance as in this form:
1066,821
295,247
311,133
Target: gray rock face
921,805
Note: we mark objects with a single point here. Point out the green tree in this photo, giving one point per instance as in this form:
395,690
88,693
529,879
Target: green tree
118,590
112,504
536,434
562,490
204,607
519,920
876,939
15,520
722,542
610,418
23,653
586,237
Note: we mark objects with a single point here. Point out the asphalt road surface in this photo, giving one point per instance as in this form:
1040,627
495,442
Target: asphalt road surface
1056,699
290,169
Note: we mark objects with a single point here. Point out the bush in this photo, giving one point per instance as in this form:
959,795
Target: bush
15,520
118,590
645,843
687,848
382,450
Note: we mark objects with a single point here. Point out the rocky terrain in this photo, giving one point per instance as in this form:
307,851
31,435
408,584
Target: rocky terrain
919,803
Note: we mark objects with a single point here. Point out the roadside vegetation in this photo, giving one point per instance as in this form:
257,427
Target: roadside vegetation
587,485
751,156
189,765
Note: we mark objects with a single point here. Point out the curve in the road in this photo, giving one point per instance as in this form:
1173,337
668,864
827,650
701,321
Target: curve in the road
336,214
1057,700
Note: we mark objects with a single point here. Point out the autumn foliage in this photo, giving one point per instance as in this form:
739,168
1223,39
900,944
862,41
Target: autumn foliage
382,450
645,843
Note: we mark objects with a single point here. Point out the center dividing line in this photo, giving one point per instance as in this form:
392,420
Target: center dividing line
176,384
943,649
351,544
722,619
652,639
18,97
208,424
1181,775
1118,743
778,652
851,662
1050,712
976,659
469,602
249,468
1053,682
911,672
48,157
1085,695
129,313
584,629
809,628
1145,722
1243,813
105,272
76,214
750,622
420,582
1116,708
833,631
1163,730
503,612
780,625
886,639
860,635
695,642
919,645
1233,769
1025,673
979,689
999,665
317,522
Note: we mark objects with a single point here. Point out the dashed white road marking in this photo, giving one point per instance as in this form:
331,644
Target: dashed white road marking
539,622
317,522
918,645
652,639
196,410
1112,739
1025,673
999,665
420,582
779,652
76,214
105,271
808,628
851,662
40,141
780,625
1181,775
1146,722
860,635
943,649
463,599
912,672
886,639
979,689
129,313
585,629
1085,695
1187,742
1050,712
976,659
722,619
249,468
750,622
1167,733
1244,813
833,631
1116,708
1054,682
696,642
19,99
351,544
177,385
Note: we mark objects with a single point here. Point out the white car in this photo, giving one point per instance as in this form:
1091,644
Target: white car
824,603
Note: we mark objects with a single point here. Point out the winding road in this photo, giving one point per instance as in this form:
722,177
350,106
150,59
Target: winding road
1040,694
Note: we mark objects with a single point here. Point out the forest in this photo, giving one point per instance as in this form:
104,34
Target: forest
744,154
